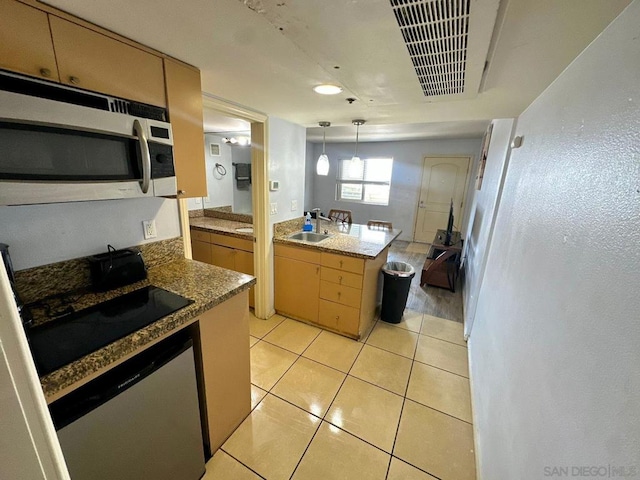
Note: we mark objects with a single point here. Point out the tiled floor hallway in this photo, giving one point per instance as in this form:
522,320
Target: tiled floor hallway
395,405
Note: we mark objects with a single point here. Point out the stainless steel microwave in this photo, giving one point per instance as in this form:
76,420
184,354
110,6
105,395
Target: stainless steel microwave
59,144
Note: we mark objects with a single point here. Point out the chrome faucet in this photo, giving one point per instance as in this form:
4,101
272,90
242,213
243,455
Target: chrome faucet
317,210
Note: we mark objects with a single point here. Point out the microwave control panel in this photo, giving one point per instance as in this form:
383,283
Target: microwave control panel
161,160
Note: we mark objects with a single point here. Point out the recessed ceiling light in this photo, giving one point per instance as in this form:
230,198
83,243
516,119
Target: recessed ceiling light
327,89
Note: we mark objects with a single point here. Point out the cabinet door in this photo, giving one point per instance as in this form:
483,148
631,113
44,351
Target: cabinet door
223,257
184,100
201,251
90,60
25,41
244,264
297,288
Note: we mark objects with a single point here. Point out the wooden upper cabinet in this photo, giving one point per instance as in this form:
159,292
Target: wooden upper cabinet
93,61
25,41
184,100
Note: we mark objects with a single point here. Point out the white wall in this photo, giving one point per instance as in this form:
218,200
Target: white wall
286,144
219,187
43,234
480,214
405,182
309,176
555,349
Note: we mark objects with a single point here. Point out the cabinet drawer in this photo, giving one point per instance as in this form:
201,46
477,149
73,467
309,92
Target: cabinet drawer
200,236
342,262
341,278
339,317
232,242
340,294
302,254
201,251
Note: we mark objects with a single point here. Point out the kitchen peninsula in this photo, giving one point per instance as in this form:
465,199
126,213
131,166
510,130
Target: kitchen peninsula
335,283
218,320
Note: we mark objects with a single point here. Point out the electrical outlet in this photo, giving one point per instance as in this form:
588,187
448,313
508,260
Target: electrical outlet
207,199
294,205
149,228
274,208
198,201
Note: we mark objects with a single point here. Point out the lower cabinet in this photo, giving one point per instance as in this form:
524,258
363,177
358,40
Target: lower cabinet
224,373
337,292
224,251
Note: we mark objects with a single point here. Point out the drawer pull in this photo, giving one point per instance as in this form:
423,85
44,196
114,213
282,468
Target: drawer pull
339,293
340,279
181,192
74,80
45,72
340,263
337,317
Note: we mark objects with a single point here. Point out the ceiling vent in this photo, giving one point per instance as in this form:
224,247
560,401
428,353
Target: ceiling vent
447,41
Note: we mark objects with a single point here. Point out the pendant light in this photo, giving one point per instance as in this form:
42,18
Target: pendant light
355,160
322,166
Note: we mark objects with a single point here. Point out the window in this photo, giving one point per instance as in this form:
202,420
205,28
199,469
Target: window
368,181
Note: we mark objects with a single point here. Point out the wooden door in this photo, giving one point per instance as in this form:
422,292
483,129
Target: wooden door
443,179
90,60
297,288
25,41
184,99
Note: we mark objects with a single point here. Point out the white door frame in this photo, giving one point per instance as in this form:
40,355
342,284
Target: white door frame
262,251
464,193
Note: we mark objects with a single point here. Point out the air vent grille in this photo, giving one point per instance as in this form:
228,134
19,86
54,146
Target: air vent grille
436,35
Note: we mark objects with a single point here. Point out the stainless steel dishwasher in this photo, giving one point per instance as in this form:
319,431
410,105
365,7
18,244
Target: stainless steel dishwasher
140,420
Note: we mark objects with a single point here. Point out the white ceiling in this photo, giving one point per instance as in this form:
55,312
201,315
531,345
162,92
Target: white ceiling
267,55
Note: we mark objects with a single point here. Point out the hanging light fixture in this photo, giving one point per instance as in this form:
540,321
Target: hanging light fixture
355,160
322,166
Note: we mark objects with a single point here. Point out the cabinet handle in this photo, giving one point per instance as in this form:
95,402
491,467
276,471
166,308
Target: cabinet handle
337,317
340,279
181,192
340,263
317,270
45,72
339,293
74,80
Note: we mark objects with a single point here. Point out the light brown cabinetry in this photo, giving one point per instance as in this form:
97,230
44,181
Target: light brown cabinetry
224,368
25,41
93,61
335,291
224,251
184,100
297,286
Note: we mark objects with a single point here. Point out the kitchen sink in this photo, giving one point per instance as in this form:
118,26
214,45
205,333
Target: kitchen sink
309,236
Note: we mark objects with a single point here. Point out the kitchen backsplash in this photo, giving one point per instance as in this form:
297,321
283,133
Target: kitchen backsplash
39,282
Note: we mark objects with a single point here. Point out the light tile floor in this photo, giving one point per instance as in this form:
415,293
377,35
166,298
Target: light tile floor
393,406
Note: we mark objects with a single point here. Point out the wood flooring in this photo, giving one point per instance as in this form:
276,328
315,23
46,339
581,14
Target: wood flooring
435,301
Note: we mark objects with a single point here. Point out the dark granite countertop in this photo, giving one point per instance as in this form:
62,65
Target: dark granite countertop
219,225
206,285
352,240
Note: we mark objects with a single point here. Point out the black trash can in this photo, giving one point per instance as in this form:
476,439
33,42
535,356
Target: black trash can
397,280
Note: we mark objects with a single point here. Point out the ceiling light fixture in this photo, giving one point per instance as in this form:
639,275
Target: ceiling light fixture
326,89
355,160
322,165
239,141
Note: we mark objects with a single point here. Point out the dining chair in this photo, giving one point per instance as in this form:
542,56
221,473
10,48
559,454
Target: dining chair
343,216
379,225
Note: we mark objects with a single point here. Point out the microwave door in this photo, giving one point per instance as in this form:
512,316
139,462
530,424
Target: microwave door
44,163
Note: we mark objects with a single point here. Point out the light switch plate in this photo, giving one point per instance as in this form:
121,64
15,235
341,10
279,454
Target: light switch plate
274,208
294,205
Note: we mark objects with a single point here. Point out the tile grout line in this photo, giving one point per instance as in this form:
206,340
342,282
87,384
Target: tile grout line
241,463
440,368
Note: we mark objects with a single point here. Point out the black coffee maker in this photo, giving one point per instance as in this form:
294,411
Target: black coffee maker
25,314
